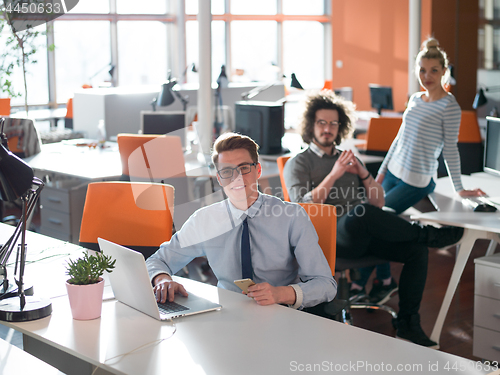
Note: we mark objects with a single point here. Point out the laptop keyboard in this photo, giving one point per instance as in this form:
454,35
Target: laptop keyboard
171,307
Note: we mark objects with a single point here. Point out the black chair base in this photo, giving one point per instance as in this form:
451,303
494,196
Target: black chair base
342,265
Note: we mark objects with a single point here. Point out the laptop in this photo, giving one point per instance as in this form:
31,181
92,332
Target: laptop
131,285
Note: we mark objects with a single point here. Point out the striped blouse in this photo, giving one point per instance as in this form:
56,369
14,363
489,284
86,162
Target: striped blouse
427,129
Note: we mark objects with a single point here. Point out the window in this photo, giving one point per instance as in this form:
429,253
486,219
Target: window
142,53
91,6
192,6
141,7
82,55
253,7
36,77
303,51
258,40
218,49
253,51
489,35
296,7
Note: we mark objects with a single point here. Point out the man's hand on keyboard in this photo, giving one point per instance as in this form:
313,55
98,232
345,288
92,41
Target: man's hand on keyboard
165,288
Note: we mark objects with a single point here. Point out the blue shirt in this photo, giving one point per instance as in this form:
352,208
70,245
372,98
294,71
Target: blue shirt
283,242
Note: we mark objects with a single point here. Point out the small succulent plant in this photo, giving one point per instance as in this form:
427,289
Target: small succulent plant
89,268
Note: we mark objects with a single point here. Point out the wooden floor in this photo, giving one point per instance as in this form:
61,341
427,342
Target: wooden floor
457,332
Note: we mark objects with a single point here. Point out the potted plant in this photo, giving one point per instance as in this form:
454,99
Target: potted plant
85,286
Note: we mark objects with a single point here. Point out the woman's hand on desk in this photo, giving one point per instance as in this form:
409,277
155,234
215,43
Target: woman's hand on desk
472,193
165,288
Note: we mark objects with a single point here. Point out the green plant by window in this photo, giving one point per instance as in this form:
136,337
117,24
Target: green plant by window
89,269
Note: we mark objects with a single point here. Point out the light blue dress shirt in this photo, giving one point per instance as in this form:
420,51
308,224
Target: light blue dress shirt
283,242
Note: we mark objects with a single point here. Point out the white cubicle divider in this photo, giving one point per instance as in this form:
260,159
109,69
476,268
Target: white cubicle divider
120,107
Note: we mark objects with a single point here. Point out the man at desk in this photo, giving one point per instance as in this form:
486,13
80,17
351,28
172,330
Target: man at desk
324,174
248,235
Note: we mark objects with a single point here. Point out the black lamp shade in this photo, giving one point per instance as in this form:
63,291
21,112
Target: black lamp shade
165,97
16,177
479,99
295,82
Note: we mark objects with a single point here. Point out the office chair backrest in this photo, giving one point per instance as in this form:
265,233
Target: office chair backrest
381,132
4,106
133,214
324,219
151,157
328,85
469,128
22,137
68,120
69,108
281,161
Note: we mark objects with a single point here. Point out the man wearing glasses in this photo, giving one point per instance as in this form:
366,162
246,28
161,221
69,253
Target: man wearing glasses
249,235
325,174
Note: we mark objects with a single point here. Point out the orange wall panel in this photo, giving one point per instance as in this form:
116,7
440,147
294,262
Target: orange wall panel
369,44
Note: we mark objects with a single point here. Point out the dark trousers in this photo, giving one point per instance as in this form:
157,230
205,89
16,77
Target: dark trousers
368,230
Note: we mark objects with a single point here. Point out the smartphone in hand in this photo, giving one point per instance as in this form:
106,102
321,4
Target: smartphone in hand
243,284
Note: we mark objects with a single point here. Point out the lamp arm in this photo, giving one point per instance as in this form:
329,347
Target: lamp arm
492,88
29,201
184,100
8,247
256,91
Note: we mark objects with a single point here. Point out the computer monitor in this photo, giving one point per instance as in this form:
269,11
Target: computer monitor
381,97
169,123
263,122
492,146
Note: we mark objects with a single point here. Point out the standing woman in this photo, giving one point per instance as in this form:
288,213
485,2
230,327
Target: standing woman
430,125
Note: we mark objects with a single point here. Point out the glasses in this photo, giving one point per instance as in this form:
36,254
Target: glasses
323,123
242,169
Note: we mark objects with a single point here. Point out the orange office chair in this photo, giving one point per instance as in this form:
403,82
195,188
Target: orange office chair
160,159
133,214
470,146
4,106
381,132
68,120
328,85
469,128
324,219
281,166
151,156
320,215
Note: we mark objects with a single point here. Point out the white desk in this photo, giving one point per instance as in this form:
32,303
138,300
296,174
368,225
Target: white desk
477,224
16,361
242,338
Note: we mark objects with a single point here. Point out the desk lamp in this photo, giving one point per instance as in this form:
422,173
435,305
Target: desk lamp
166,95
295,82
17,181
480,99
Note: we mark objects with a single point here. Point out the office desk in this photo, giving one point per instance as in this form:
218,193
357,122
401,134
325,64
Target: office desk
452,211
16,361
241,338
